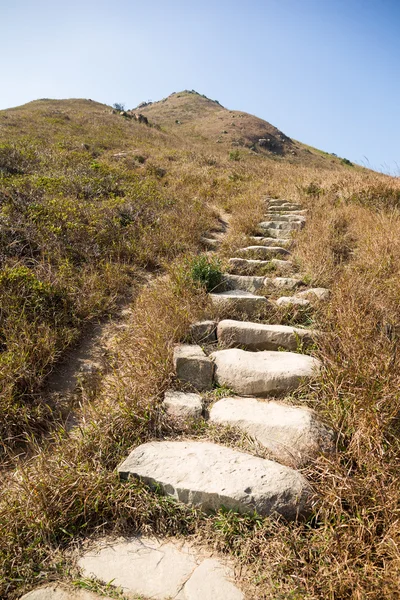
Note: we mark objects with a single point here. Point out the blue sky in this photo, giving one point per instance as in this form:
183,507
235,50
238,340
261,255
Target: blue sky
326,72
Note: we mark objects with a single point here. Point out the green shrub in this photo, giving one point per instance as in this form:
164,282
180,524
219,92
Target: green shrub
206,271
234,155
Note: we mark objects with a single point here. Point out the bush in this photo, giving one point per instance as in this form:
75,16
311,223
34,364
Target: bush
234,155
119,106
206,271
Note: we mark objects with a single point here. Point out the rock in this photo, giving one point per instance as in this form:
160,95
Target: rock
292,301
204,332
289,283
193,366
262,373
288,218
269,241
160,569
285,266
209,243
283,234
265,251
321,294
236,302
293,434
257,336
211,476
281,225
56,591
183,405
248,283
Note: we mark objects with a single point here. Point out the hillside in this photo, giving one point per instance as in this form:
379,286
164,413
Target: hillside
119,234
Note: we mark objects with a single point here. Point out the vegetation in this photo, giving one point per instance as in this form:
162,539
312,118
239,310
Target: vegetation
81,220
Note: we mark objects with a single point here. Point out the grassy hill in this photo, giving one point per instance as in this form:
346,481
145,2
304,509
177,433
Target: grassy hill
93,204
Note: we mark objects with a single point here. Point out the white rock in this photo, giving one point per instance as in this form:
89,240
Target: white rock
292,301
269,241
282,265
282,282
274,233
183,405
262,373
322,294
193,366
248,283
211,476
61,592
288,218
293,434
160,569
281,226
236,302
265,251
258,336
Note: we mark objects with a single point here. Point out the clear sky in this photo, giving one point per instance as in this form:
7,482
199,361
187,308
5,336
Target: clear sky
326,72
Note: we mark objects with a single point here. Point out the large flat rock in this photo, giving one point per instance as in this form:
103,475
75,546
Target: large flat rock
260,240
159,569
282,225
239,302
289,283
258,336
264,251
322,294
183,405
293,434
288,218
211,476
61,592
263,373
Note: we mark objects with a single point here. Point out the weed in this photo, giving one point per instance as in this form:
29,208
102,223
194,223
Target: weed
206,272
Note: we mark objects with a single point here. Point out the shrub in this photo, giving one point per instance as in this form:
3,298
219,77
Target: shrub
234,155
119,106
206,271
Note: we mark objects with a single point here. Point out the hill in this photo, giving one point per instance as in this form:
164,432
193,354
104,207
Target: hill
123,223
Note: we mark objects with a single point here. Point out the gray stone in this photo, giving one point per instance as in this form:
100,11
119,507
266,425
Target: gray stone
292,301
322,294
293,434
269,241
263,373
210,581
281,225
193,366
183,405
282,265
265,251
288,218
258,336
248,283
210,243
275,233
236,302
56,591
248,263
289,283
211,476
204,332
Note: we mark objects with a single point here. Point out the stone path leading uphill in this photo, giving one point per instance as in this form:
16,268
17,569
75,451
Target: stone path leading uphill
260,364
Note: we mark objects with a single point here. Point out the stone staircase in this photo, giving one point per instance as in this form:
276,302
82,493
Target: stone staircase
260,364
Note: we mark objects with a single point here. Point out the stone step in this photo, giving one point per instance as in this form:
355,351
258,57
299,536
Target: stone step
192,366
269,241
210,243
286,235
211,476
282,225
289,218
203,332
321,294
259,336
287,205
263,373
248,283
159,569
264,251
293,434
248,263
292,301
285,266
289,283
58,591
276,210
182,405
239,302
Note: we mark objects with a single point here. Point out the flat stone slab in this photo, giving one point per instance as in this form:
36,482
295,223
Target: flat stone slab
265,251
263,373
281,233
248,283
287,218
281,226
322,294
183,405
258,336
293,434
239,302
284,266
292,301
61,592
193,366
204,332
160,569
211,476
268,241
289,283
